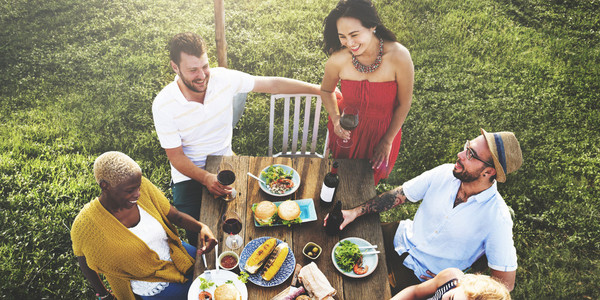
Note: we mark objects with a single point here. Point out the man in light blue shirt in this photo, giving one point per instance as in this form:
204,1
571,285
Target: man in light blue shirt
461,218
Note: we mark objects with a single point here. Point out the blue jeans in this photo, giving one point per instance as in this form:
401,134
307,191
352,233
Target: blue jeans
177,290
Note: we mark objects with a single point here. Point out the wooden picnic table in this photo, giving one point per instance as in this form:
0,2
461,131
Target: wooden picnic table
356,186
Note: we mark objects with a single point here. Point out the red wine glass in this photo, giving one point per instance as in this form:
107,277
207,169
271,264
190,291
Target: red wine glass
226,176
232,225
348,121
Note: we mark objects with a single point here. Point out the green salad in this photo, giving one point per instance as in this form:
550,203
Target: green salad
274,173
346,255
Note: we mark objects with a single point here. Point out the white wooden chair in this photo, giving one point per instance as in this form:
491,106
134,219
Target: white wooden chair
306,125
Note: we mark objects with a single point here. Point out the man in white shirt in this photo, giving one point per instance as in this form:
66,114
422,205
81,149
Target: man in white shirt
193,117
461,218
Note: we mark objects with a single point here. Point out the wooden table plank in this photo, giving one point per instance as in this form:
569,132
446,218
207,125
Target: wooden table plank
213,209
314,231
256,195
355,175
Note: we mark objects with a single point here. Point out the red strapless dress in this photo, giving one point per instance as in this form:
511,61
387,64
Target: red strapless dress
376,102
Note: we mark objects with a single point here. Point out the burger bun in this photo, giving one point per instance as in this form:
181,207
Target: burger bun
227,291
288,210
264,211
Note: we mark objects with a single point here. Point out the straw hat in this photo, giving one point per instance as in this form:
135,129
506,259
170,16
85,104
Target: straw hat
506,152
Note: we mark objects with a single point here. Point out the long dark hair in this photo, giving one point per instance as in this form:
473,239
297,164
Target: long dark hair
364,11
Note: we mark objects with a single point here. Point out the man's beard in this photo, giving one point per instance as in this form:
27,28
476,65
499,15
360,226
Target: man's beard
464,175
189,85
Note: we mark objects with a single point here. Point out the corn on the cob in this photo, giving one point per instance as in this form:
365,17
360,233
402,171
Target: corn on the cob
260,255
275,261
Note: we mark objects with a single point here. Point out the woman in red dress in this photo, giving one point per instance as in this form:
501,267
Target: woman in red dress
376,75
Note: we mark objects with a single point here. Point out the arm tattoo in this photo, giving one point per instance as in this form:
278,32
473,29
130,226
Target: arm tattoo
384,201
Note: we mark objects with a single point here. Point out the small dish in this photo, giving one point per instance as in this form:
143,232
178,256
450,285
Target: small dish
309,249
226,263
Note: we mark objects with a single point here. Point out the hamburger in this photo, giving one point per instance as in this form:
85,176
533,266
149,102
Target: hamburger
265,212
289,212
227,291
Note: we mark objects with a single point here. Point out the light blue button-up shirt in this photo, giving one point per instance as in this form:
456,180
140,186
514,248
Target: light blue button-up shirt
442,236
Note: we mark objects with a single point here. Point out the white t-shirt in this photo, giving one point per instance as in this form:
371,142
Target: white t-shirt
201,129
153,234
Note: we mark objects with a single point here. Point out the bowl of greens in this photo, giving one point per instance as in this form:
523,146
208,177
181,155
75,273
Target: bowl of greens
349,258
281,180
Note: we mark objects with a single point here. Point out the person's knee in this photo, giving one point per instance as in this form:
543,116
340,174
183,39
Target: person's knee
189,248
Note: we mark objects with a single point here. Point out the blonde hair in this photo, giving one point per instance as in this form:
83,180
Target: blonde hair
114,167
480,287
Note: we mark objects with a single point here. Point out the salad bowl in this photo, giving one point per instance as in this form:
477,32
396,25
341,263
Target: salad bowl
285,174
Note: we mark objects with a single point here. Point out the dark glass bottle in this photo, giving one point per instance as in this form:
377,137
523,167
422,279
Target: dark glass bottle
329,187
334,220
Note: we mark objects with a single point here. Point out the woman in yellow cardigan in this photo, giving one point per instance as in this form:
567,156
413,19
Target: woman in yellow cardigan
127,235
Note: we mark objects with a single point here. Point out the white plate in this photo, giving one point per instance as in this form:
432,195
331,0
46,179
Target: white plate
370,260
286,270
295,179
218,278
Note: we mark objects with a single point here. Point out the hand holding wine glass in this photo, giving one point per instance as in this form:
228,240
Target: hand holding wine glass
348,121
232,225
226,177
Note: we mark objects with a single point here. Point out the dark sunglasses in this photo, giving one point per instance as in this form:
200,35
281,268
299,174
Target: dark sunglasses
471,154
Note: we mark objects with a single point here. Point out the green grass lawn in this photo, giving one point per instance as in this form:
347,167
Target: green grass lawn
78,79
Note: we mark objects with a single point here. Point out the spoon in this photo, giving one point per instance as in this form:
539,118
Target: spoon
251,175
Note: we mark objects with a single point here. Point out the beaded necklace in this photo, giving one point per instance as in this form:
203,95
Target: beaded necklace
368,69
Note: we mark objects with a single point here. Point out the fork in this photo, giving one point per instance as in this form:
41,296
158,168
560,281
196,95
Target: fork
207,272
367,247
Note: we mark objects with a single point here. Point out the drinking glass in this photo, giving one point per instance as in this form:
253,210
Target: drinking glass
232,225
348,121
226,176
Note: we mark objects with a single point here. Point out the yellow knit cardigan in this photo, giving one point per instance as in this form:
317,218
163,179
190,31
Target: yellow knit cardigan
111,249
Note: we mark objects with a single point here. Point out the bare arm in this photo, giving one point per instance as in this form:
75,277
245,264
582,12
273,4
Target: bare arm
380,203
281,85
92,277
184,165
328,86
508,278
428,288
186,222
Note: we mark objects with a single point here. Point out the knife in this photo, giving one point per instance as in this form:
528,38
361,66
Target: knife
217,258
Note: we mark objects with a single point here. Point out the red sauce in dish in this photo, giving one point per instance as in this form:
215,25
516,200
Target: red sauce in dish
228,261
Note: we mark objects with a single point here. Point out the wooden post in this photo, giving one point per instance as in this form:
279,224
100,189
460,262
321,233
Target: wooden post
220,33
